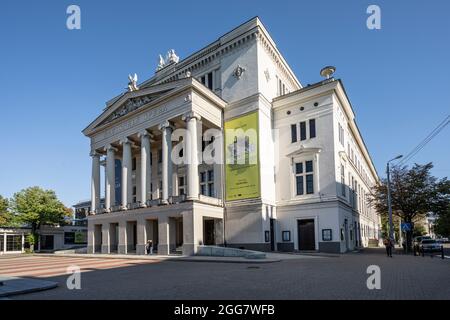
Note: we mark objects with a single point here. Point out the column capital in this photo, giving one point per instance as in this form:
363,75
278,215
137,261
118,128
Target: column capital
126,141
165,125
145,133
191,115
94,153
110,147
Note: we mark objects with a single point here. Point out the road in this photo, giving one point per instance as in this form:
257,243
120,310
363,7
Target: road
342,277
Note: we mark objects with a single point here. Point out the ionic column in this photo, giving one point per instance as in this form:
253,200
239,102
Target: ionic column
110,198
127,192
191,152
146,169
166,170
95,182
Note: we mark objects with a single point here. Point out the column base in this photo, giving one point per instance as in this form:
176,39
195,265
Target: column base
164,201
189,249
140,249
105,249
122,249
163,249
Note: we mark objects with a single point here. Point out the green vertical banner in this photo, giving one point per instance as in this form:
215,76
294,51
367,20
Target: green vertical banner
242,177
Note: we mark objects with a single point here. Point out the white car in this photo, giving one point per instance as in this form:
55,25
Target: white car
430,245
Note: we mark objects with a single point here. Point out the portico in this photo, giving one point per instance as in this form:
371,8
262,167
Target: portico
151,144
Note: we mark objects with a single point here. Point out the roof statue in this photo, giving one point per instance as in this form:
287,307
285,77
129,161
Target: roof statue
132,85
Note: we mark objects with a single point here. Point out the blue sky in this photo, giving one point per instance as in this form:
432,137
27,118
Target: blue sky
55,81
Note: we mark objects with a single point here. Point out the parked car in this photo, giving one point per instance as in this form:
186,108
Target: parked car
417,241
430,245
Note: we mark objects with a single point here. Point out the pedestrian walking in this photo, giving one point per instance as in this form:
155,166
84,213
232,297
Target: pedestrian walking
388,243
149,247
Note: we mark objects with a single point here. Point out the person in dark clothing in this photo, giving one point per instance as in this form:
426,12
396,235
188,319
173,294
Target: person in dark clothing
149,247
388,243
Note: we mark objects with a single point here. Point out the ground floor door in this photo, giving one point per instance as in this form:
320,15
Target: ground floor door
209,238
306,234
46,242
272,234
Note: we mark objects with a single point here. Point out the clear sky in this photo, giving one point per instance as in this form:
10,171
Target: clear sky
55,81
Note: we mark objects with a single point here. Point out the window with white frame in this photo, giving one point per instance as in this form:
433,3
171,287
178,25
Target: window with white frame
341,135
211,183
343,181
181,185
207,183
207,80
304,178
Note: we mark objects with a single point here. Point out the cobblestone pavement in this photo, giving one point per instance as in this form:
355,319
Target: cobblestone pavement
342,277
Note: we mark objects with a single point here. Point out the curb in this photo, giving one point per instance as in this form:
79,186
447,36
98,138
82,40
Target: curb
182,259
49,285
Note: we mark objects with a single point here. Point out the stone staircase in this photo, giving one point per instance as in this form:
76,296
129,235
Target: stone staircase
216,251
373,243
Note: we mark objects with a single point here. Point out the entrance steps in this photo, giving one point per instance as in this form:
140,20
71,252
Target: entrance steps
373,243
216,251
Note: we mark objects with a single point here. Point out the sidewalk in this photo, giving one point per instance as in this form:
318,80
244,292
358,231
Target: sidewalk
12,285
163,258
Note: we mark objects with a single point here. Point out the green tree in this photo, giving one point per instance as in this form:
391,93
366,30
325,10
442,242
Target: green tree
442,209
442,225
6,217
36,207
414,193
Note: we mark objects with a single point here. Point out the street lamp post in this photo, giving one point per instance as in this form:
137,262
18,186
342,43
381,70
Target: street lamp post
391,227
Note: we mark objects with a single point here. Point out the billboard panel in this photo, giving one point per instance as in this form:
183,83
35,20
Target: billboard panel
242,177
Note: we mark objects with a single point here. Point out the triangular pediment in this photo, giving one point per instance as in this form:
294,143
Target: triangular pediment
132,101
131,104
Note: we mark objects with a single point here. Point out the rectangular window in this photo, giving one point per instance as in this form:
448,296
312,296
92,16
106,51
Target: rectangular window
299,168
159,155
181,186
302,130
13,243
299,182
210,175
293,133
304,178
309,184
309,166
343,181
312,128
210,81
203,189
211,189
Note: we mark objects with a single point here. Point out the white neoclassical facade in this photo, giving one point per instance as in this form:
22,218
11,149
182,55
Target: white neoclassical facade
226,147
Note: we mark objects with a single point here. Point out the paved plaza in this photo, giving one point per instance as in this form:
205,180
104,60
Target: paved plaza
313,277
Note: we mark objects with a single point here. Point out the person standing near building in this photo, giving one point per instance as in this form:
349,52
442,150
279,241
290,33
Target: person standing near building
149,247
388,244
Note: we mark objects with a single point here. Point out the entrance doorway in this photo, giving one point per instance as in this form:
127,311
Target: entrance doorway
209,237
272,234
306,234
47,242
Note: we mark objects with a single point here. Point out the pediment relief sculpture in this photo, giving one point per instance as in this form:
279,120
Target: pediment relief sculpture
131,105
